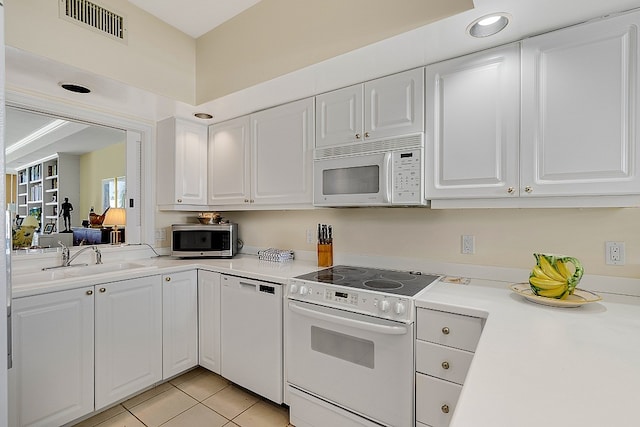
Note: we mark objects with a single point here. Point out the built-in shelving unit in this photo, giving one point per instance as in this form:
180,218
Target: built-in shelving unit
43,185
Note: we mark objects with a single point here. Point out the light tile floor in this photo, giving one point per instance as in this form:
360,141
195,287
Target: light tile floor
198,398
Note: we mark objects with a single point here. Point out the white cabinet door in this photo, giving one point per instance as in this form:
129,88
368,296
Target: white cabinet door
181,163
128,338
339,116
473,125
229,162
282,149
179,322
51,382
382,108
580,110
394,105
209,320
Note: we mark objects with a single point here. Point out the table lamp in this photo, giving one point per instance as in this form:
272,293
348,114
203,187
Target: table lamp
114,217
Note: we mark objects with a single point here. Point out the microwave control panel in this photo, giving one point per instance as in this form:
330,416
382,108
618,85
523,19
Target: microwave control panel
407,177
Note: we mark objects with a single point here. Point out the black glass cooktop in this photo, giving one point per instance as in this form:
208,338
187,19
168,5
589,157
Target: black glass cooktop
374,279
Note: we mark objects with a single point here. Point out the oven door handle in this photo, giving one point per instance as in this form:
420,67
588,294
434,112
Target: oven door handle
359,324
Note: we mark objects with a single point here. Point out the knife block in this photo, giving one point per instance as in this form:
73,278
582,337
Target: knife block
325,255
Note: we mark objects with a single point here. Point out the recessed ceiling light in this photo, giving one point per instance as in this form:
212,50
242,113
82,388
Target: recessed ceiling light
203,116
488,25
72,87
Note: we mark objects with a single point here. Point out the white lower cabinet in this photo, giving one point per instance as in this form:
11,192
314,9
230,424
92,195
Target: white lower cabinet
51,381
80,350
209,320
444,349
128,338
179,322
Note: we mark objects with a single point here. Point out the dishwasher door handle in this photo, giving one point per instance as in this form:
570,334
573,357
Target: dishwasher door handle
344,321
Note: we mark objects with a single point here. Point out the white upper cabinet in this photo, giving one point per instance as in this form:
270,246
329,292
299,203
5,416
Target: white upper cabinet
386,107
339,116
281,154
182,163
229,162
263,159
472,111
580,110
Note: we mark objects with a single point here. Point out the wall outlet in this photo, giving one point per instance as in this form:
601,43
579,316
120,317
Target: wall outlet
161,234
311,236
614,253
468,245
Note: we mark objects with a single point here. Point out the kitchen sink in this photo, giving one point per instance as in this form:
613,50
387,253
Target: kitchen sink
74,271
90,270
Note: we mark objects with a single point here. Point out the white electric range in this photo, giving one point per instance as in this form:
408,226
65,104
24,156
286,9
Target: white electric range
350,346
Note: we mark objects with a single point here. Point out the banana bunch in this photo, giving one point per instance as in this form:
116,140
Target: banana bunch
552,278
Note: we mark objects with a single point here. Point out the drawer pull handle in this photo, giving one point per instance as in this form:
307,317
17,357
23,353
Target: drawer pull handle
103,290
445,408
89,292
445,330
445,365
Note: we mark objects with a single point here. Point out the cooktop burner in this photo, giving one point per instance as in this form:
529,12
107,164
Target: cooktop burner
388,281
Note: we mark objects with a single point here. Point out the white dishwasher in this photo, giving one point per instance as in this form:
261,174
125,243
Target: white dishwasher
251,338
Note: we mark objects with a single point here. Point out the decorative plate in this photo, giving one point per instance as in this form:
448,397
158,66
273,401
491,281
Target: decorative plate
578,298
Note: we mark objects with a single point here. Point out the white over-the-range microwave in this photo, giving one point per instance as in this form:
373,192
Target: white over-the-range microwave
386,172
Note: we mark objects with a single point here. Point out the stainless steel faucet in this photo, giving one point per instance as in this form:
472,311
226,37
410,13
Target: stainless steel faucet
74,256
67,259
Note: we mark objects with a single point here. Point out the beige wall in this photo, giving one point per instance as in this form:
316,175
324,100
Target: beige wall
504,237
94,167
157,57
275,37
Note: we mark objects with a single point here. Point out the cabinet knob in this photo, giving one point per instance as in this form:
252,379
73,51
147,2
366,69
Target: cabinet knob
167,279
528,189
89,292
357,136
251,201
445,365
445,330
179,200
445,408
103,290
366,134
246,200
510,190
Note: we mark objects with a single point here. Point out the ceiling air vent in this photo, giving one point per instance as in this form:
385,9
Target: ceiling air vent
96,17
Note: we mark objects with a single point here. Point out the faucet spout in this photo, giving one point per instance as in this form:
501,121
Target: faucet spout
74,256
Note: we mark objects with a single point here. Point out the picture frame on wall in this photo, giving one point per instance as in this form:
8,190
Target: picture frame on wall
48,228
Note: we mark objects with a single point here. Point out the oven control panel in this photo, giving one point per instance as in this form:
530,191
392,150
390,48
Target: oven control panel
357,300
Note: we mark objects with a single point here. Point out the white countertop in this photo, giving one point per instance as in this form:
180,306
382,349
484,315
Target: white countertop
545,366
244,265
534,365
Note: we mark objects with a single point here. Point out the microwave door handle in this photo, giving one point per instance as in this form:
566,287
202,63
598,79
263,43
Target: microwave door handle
359,324
386,173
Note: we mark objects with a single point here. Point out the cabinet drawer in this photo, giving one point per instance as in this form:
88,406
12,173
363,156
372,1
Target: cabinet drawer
452,330
435,400
443,362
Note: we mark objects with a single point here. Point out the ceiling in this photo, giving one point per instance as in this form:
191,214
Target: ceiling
71,138
194,17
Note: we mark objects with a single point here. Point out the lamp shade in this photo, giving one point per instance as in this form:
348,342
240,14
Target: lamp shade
30,221
115,216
